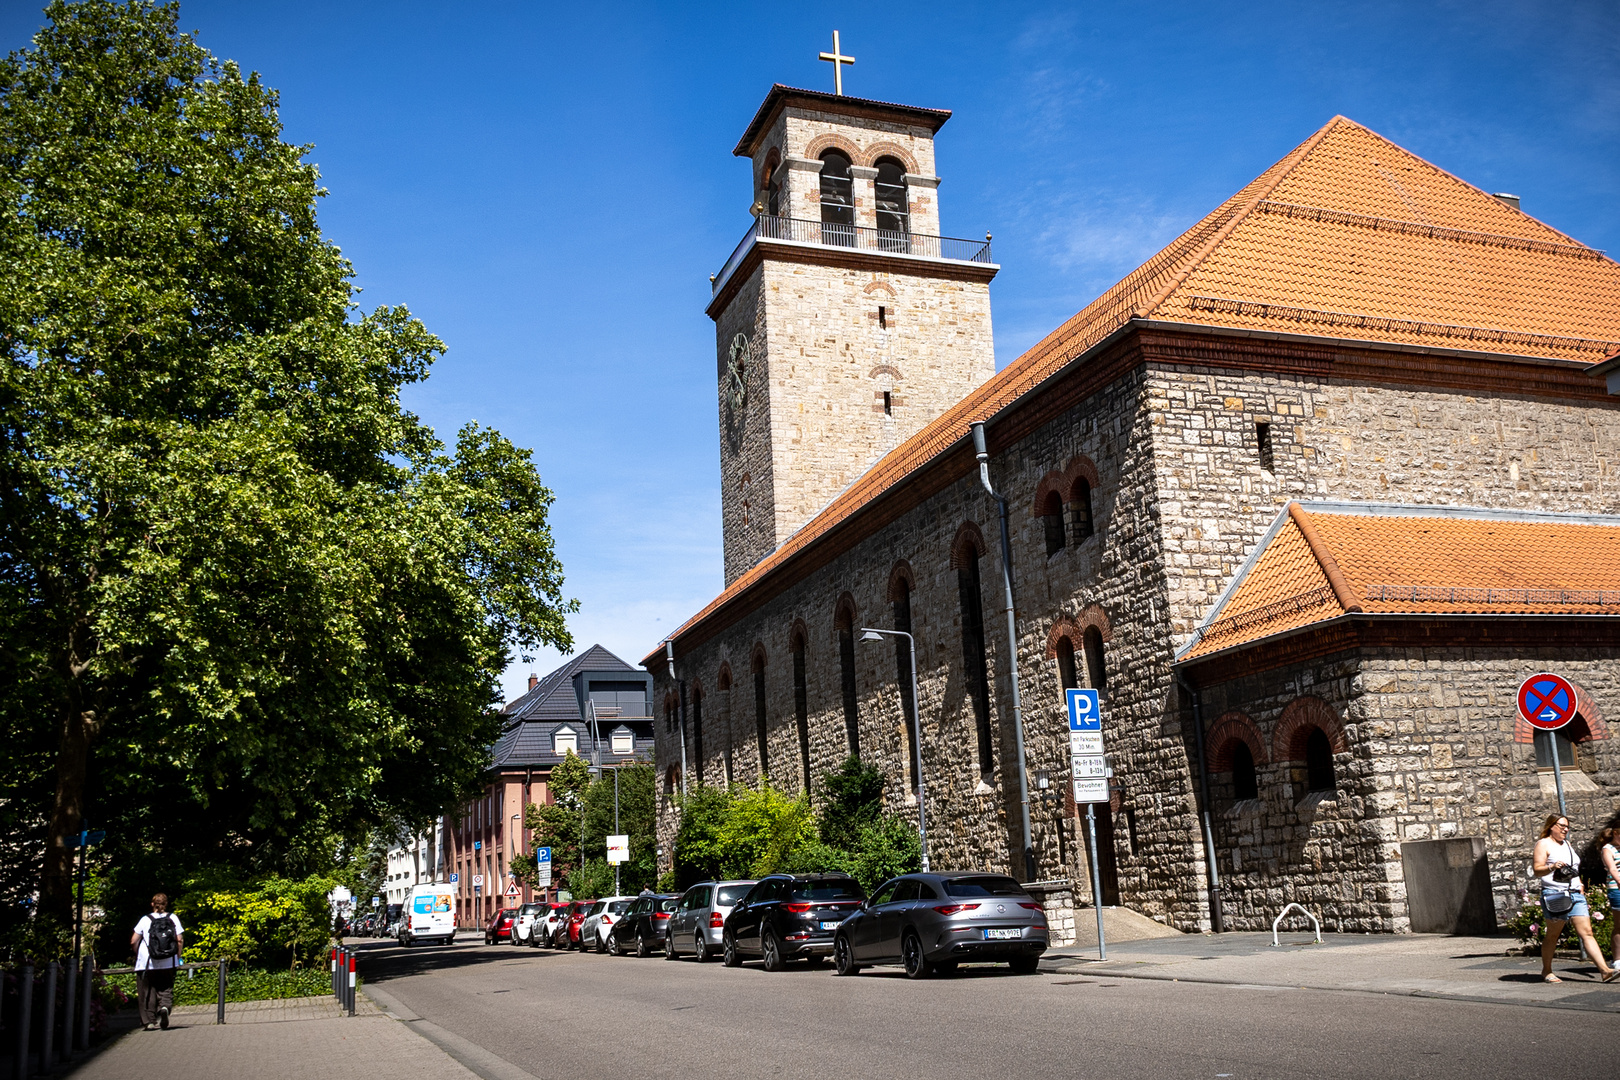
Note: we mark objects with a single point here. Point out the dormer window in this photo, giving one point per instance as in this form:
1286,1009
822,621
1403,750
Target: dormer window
563,740
624,740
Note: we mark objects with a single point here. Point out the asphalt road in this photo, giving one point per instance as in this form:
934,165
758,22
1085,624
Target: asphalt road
579,1017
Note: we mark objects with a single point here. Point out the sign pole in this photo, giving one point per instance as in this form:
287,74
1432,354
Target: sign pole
616,825
1096,877
1548,702
1558,773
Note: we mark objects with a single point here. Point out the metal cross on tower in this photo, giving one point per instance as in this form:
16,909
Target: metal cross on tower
838,60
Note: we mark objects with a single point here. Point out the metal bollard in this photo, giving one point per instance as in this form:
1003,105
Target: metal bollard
334,970
25,1023
352,983
219,1016
47,1036
84,1001
69,1000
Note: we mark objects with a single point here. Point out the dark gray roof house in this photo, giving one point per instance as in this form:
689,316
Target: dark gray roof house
557,714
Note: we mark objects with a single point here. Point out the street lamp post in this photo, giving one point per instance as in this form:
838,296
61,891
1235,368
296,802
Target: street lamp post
512,845
871,634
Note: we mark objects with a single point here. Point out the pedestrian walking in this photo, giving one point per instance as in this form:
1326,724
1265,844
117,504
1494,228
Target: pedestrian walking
158,940
1563,898
1609,852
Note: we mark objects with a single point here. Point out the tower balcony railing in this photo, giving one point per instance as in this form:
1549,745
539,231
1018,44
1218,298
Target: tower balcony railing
853,237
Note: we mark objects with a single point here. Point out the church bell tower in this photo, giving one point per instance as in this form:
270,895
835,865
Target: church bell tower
844,320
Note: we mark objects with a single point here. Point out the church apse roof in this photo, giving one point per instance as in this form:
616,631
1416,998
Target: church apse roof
1347,237
1320,561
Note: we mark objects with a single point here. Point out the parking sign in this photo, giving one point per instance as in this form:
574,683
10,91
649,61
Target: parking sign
1088,767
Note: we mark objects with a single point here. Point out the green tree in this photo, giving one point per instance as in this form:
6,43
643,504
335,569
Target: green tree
854,801
557,824
637,785
249,603
700,850
764,829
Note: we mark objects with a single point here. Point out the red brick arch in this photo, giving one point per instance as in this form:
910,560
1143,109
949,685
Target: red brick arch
845,613
1065,627
969,541
1230,728
889,149
900,574
1294,727
1093,615
722,681
758,657
1053,483
822,143
798,636
1080,467
767,164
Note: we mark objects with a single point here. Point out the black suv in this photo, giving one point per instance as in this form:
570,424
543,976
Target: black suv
643,926
788,916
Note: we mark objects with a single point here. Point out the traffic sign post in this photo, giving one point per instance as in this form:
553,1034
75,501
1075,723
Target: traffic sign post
1088,773
1547,702
542,867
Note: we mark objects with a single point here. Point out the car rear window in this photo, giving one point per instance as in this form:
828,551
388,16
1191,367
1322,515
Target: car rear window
730,894
986,885
619,907
669,903
827,890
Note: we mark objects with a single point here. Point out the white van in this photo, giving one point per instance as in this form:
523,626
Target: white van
430,915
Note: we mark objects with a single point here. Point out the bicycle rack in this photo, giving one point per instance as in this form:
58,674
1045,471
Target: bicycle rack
1284,914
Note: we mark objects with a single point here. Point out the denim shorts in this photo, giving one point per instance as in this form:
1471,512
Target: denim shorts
1614,901
1579,911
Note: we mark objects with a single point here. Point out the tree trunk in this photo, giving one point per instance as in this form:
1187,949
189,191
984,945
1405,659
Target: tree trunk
72,766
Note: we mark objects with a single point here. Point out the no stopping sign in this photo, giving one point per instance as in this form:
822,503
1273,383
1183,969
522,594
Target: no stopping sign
1547,701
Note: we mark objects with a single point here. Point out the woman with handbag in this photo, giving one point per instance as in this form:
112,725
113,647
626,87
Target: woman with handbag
1563,898
1609,851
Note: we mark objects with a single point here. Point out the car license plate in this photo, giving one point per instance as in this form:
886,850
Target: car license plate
1011,932
832,925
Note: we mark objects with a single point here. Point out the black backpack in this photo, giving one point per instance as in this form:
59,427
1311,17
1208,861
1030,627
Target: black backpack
161,941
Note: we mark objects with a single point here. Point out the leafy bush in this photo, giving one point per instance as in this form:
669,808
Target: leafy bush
1529,925
241,984
273,922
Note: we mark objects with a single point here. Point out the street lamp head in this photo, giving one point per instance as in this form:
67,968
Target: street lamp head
871,635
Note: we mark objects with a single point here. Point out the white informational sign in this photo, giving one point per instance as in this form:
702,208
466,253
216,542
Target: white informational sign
618,848
1088,767
542,862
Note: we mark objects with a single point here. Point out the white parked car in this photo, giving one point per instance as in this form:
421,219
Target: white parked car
523,927
599,921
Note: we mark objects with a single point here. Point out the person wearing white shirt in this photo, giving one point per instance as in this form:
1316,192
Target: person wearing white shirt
158,942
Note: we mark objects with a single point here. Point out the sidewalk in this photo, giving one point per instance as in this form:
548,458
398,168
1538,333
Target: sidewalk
1421,965
273,1040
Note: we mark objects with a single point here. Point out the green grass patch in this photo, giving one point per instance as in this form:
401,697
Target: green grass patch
241,984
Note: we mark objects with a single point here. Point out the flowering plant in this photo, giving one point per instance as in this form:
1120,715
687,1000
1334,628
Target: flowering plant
1529,925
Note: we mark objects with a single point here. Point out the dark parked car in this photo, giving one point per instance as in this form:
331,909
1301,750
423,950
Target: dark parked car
789,916
500,926
932,922
642,928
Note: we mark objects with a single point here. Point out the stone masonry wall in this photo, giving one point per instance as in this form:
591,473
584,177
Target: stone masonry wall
1431,755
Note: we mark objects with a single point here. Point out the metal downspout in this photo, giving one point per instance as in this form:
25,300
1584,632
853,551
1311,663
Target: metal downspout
1217,918
1012,647
680,690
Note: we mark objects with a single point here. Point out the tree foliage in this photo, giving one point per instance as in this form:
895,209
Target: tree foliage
582,805
248,603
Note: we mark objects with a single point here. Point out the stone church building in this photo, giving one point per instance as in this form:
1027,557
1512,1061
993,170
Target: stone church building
1306,496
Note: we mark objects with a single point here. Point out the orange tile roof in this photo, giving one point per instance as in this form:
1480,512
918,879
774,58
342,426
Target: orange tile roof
1323,560
1348,236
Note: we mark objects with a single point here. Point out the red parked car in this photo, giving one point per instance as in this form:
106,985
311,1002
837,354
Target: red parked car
576,921
500,926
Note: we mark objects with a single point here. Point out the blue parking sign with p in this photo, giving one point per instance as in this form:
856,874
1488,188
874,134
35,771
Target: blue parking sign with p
1084,713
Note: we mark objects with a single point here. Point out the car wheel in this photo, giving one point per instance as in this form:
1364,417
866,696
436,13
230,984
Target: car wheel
642,948
770,950
669,947
1026,965
700,948
911,952
613,947
731,957
844,957
601,945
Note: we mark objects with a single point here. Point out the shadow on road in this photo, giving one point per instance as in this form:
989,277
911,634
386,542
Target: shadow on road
381,961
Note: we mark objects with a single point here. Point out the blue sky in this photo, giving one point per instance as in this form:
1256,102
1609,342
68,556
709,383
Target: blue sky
549,187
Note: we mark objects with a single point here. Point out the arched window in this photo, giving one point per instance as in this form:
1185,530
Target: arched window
1080,508
901,592
671,778
1096,666
697,730
837,199
773,187
1052,518
1067,675
723,684
978,676
1245,781
1319,762
893,209
846,671
759,712
801,709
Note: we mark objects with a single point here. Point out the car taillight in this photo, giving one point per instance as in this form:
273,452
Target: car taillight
660,914
607,918
797,909
952,909
1032,907
715,921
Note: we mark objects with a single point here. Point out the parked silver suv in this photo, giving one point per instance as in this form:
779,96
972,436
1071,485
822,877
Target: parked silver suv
700,918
